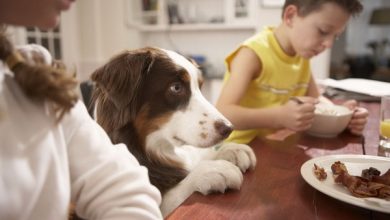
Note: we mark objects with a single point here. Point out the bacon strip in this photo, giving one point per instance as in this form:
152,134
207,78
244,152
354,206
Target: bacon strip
384,179
319,172
362,187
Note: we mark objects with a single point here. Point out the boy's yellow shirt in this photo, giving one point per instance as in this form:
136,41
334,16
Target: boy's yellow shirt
282,76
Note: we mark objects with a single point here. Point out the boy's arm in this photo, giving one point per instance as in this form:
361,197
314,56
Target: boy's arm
245,67
312,89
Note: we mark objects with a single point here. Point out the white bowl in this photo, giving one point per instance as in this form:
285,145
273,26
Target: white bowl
329,120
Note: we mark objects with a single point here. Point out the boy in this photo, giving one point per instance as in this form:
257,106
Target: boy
273,66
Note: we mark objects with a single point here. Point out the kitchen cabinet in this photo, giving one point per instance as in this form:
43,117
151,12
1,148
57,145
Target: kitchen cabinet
189,15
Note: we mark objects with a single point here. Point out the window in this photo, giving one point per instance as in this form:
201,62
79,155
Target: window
50,39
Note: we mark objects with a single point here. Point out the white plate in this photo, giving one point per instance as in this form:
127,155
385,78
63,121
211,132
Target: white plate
355,164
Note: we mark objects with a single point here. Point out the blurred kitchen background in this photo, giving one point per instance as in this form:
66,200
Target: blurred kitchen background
95,30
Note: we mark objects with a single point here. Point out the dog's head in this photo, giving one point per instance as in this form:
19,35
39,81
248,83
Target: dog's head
157,92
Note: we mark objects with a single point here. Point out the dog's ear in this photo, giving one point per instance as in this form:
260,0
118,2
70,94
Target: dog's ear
193,61
122,77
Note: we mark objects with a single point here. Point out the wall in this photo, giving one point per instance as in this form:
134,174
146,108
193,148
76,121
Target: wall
95,30
198,39
103,32
100,30
360,32
70,31
217,44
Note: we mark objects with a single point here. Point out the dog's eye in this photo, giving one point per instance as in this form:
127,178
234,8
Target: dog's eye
176,87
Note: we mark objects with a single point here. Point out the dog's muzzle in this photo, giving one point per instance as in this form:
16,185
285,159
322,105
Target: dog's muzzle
223,129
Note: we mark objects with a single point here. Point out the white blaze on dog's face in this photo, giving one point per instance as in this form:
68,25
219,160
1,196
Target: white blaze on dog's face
198,122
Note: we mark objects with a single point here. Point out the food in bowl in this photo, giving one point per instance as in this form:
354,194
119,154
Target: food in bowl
326,111
329,120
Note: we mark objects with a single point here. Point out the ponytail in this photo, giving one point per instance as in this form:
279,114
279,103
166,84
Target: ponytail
40,82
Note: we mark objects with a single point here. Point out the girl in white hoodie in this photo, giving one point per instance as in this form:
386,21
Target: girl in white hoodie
52,154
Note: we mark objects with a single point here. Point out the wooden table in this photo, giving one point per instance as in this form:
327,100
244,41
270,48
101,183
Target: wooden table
275,189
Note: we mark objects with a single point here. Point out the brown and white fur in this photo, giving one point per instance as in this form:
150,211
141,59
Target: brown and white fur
150,100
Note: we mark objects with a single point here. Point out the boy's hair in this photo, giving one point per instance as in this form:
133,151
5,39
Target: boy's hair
39,81
305,7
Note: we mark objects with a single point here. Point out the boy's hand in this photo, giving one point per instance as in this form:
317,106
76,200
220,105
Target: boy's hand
297,114
359,117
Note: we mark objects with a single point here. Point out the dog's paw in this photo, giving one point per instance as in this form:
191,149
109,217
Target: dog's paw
239,154
215,176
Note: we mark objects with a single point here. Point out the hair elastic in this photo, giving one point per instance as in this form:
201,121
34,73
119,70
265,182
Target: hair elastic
13,59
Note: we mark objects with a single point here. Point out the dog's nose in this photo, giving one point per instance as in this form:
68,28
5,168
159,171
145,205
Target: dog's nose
222,128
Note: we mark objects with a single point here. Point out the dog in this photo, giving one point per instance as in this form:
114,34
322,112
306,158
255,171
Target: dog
150,99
